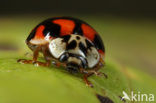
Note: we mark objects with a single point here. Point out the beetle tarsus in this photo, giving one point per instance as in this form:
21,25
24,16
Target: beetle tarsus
88,83
36,63
46,64
24,61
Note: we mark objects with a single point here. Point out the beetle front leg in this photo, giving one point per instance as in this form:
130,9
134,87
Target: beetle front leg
46,57
94,71
46,64
34,60
85,78
35,56
88,73
58,63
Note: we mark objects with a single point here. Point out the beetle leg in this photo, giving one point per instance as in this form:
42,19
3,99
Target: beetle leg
88,73
99,65
58,64
34,60
94,71
97,73
46,57
46,64
85,78
35,56
49,58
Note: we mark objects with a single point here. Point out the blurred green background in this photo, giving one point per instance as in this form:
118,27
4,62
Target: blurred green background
128,30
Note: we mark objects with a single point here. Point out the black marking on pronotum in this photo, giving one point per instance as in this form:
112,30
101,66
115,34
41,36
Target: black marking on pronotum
31,35
66,38
98,43
82,48
103,99
74,55
53,29
77,29
89,44
77,37
72,45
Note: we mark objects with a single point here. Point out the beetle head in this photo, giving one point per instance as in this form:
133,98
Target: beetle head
73,62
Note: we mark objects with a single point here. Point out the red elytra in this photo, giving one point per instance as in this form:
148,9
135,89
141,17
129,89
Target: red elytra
60,26
67,26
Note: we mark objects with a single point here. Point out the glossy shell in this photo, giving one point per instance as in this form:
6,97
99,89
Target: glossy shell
60,26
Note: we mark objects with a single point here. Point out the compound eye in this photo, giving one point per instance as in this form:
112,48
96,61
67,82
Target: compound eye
64,57
84,62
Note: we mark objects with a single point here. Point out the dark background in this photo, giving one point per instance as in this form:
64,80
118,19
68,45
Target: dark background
146,8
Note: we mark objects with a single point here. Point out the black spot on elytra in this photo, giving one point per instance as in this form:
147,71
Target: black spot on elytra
70,18
72,45
83,48
77,29
31,35
66,38
98,43
77,37
89,44
103,99
53,29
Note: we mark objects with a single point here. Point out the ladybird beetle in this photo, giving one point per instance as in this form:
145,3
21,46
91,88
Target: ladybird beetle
68,42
